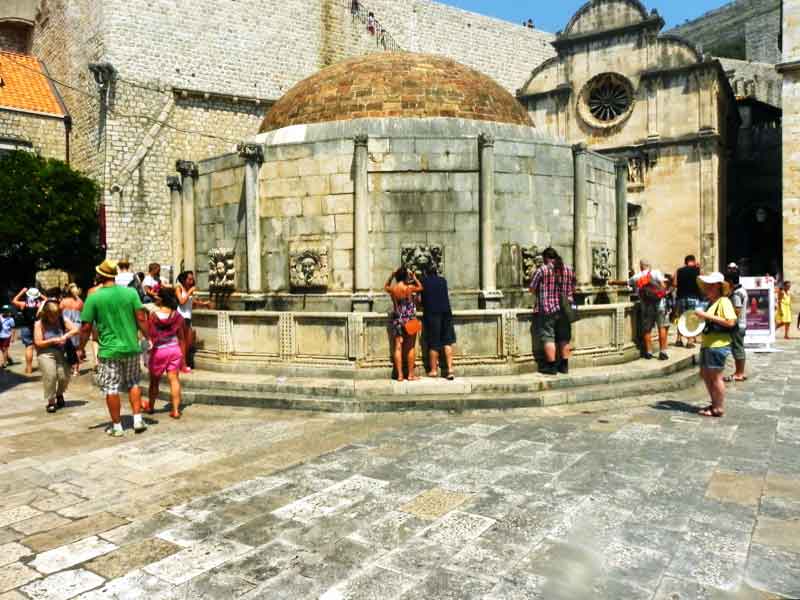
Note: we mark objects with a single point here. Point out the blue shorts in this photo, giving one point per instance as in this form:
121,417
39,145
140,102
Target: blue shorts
690,303
714,358
26,334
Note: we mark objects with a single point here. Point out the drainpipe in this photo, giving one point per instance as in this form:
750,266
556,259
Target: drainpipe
67,132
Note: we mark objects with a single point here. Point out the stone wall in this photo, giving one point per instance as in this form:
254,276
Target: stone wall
46,135
791,139
744,29
423,182
237,49
754,80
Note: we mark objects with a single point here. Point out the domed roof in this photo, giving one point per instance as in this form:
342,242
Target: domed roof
396,84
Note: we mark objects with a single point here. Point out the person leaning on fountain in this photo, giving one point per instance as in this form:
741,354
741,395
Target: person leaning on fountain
440,334
403,321
552,326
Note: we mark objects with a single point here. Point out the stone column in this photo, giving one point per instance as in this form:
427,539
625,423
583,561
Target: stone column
188,171
254,156
362,298
490,296
581,257
622,219
176,204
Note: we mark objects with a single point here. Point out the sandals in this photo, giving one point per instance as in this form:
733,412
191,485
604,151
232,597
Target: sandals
451,376
733,379
679,344
433,375
175,416
711,412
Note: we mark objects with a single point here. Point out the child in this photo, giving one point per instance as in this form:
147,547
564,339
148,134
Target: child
783,311
7,334
166,336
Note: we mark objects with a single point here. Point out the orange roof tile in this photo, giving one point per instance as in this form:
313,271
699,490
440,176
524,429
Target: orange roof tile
24,85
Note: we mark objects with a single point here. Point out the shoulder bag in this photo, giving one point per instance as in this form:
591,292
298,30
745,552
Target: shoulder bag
568,310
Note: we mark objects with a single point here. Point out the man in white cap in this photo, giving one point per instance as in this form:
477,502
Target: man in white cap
119,316
29,305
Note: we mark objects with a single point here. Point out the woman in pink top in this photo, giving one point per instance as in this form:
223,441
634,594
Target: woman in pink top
166,336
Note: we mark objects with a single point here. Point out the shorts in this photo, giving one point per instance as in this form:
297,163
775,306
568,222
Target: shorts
165,359
439,330
553,328
5,343
714,358
653,316
737,344
118,375
26,335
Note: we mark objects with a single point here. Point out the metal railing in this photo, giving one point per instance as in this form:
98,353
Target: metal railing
367,17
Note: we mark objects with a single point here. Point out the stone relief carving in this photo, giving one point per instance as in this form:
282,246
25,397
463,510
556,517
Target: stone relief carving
221,270
636,169
309,268
420,258
601,263
531,261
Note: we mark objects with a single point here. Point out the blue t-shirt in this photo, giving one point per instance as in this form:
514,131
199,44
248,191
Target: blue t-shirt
6,327
435,297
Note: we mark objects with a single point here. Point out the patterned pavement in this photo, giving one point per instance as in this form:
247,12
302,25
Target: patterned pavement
624,499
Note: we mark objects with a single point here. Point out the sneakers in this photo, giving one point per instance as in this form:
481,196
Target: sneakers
114,432
549,369
663,356
60,401
647,356
51,408
563,366
140,428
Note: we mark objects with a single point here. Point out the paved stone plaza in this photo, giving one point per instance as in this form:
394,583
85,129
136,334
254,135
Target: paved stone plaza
627,499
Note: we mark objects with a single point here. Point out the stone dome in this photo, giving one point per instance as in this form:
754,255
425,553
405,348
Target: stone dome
400,85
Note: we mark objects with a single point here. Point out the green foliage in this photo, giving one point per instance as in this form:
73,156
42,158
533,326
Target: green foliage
48,216
729,48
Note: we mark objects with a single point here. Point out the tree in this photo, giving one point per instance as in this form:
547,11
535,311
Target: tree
48,217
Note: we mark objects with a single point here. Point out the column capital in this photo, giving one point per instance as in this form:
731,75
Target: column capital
580,148
486,140
186,168
174,183
360,139
251,152
621,164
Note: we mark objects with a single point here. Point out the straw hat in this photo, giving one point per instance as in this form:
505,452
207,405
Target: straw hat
33,293
706,280
108,269
690,325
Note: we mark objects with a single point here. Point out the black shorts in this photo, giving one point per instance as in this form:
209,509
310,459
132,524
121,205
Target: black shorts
438,330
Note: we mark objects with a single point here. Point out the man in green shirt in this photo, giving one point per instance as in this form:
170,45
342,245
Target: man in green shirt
118,314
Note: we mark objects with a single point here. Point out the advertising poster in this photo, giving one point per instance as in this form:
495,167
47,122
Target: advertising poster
760,310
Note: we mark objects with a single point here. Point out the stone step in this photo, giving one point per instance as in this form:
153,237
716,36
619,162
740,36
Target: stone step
444,402
583,385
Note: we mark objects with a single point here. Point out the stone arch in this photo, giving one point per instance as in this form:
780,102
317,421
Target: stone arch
605,14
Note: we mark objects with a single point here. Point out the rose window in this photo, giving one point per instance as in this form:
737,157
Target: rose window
606,100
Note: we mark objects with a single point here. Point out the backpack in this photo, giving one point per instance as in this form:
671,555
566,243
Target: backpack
649,291
137,285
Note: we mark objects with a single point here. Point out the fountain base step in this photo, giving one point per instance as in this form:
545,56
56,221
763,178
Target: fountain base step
640,378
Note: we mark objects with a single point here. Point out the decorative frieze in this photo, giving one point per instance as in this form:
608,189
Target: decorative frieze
422,258
531,261
601,263
309,268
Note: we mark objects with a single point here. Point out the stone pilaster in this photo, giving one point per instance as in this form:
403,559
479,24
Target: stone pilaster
176,211
581,251
362,298
490,297
253,155
188,171
621,187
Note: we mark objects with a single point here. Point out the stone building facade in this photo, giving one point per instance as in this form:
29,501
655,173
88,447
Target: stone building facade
656,102
790,67
193,91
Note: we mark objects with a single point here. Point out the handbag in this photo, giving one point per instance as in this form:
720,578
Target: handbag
412,326
717,328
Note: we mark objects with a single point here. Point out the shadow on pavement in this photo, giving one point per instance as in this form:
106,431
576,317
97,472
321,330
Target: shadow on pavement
9,379
676,405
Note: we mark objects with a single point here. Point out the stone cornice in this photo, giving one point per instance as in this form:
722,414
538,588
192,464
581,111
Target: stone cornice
788,67
702,137
232,98
564,89
655,22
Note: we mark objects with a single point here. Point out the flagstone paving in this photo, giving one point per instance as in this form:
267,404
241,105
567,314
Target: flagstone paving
635,498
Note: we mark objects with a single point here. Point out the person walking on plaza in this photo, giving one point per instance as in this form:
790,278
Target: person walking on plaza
166,331
721,319
688,293
7,334
739,300
403,322
553,282
119,316
52,337
29,305
437,321
783,310
650,286
152,283
71,307
185,290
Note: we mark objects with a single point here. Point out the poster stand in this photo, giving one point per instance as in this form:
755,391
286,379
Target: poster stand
760,309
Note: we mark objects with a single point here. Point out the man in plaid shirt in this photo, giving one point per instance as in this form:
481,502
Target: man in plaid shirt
552,280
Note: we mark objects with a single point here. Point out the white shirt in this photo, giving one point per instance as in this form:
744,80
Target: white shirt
124,278
185,309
